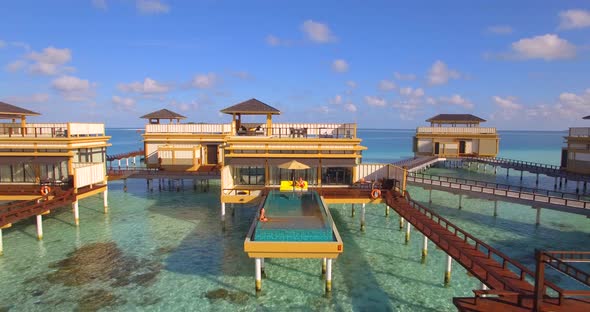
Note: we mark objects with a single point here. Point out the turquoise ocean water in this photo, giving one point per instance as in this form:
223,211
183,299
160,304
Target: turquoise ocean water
165,251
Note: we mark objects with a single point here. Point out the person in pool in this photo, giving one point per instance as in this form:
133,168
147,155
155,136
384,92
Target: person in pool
263,217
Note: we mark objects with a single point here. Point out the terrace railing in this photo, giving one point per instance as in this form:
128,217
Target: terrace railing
189,128
313,130
455,130
52,130
579,132
88,174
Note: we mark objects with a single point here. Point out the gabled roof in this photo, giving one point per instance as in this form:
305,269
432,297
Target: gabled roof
163,114
9,111
455,118
251,107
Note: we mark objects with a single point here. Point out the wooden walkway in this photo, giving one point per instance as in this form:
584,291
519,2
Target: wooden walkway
204,172
506,278
416,163
125,155
556,200
532,167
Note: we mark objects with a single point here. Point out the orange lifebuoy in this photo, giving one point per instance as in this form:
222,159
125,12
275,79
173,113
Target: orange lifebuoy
45,190
375,193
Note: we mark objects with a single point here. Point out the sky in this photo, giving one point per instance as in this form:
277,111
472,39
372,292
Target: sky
521,65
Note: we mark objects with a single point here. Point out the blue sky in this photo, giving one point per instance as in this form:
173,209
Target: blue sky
383,64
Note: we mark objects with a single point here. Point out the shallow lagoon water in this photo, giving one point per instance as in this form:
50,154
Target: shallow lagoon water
166,251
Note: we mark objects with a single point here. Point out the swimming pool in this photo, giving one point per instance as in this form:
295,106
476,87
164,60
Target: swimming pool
294,216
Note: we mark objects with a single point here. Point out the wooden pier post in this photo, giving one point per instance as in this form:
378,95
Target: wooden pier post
124,185
329,276
1,243
408,230
430,195
262,271
323,268
424,249
362,217
39,227
105,200
537,180
460,201
448,271
555,184
495,208
159,184
577,187
401,223
560,182
507,172
538,220
258,273
521,173
495,170
386,210
223,215
352,211
76,213
195,185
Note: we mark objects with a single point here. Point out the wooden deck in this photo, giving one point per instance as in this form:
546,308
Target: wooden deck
125,155
204,172
500,273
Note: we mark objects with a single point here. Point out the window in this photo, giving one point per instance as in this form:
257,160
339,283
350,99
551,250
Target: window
337,175
245,175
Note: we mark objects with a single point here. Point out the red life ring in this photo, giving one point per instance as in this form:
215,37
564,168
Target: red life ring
375,193
45,190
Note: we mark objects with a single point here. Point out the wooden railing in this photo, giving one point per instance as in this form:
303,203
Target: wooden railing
468,261
411,163
189,128
455,130
512,162
505,190
313,130
21,210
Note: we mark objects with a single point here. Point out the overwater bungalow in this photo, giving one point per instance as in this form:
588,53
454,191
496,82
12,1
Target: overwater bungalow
46,165
454,135
575,155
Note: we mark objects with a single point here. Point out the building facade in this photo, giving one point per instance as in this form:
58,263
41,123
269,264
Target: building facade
575,156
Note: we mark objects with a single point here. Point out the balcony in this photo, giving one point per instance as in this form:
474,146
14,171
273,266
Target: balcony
88,174
579,132
52,130
278,130
455,130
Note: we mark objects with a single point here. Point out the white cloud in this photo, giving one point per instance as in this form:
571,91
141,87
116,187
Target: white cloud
456,100
410,92
405,77
573,105
340,66
441,74
349,107
152,7
375,101
2,44
243,75
148,86
387,85
123,104
317,32
336,100
273,40
547,47
572,19
73,88
50,61
16,65
28,99
205,81
100,4
351,84
507,103
500,29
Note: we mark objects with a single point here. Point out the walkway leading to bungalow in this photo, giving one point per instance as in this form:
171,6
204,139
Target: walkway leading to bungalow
203,172
532,167
125,155
506,280
537,198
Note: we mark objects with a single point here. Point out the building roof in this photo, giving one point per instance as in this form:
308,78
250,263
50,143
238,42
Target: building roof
251,107
455,118
9,111
587,117
163,114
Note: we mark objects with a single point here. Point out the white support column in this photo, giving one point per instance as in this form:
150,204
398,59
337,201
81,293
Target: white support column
386,210
408,230
448,270
105,200
324,267
329,275
362,217
538,221
127,162
424,249
39,227
223,216
401,223
258,273
76,213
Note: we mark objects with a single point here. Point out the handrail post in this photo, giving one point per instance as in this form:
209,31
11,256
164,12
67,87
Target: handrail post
539,280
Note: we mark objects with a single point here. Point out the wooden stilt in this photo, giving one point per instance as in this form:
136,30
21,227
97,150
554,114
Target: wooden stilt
124,185
387,210
1,243
495,208
448,271
401,223
223,215
39,227
538,219
258,274
352,211
329,275
76,213
324,268
424,249
362,217
408,230
105,200
460,201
